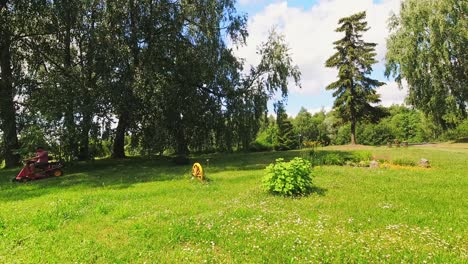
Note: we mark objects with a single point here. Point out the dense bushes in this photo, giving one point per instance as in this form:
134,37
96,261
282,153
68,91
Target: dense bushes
401,123
259,145
339,158
288,178
403,162
460,133
375,134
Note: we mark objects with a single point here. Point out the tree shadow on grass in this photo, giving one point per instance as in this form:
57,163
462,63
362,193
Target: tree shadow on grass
111,174
461,140
318,190
121,174
311,191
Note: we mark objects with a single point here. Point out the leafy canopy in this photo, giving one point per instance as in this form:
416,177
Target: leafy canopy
427,49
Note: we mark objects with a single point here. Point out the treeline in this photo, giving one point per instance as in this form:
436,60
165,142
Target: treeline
75,74
99,77
397,124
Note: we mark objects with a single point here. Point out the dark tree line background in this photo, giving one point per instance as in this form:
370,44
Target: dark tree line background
80,76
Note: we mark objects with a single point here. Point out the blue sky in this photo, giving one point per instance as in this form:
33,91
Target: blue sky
308,26
254,6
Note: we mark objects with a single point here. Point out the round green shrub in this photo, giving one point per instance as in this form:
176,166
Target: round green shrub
288,178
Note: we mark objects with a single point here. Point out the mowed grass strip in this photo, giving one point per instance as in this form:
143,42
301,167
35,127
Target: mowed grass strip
141,210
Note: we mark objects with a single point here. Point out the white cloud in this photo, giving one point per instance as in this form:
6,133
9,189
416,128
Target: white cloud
310,34
250,2
391,94
316,110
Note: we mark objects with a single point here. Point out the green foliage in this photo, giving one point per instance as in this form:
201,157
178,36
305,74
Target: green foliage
354,90
459,133
165,70
288,178
286,138
342,135
403,162
304,126
339,158
2,155
267,137
403,123
276,67
375,134
311,127
462,130
259,145
427,50
358,156
333,159
32,137
249,97
100,149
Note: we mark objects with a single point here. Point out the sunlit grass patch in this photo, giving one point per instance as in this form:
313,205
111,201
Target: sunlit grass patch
392,166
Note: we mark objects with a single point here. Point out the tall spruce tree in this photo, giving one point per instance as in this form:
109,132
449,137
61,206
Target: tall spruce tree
354,90
286,138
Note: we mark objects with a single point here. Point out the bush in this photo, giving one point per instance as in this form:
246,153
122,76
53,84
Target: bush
310,144
340,158
343,135
100,148
259,145
288,178
333,159
318,158
404,162
359,156
462,130
374,134
459,134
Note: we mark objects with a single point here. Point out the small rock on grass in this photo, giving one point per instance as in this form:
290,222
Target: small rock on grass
424,163
373,164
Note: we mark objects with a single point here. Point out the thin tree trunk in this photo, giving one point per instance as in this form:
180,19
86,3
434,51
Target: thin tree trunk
353,132
84,142
7,105
353,114
119,141
182,147
71,143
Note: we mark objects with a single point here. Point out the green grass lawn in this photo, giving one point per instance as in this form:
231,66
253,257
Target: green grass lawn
141,210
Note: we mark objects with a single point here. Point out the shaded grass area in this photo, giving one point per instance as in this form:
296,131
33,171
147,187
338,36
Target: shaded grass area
139,210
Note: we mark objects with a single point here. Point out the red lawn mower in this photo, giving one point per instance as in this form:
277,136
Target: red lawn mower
51,169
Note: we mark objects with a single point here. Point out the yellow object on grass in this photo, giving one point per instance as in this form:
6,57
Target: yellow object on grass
197,171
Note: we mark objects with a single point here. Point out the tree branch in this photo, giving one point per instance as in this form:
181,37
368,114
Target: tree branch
3,4
56,64
18,37
210,91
